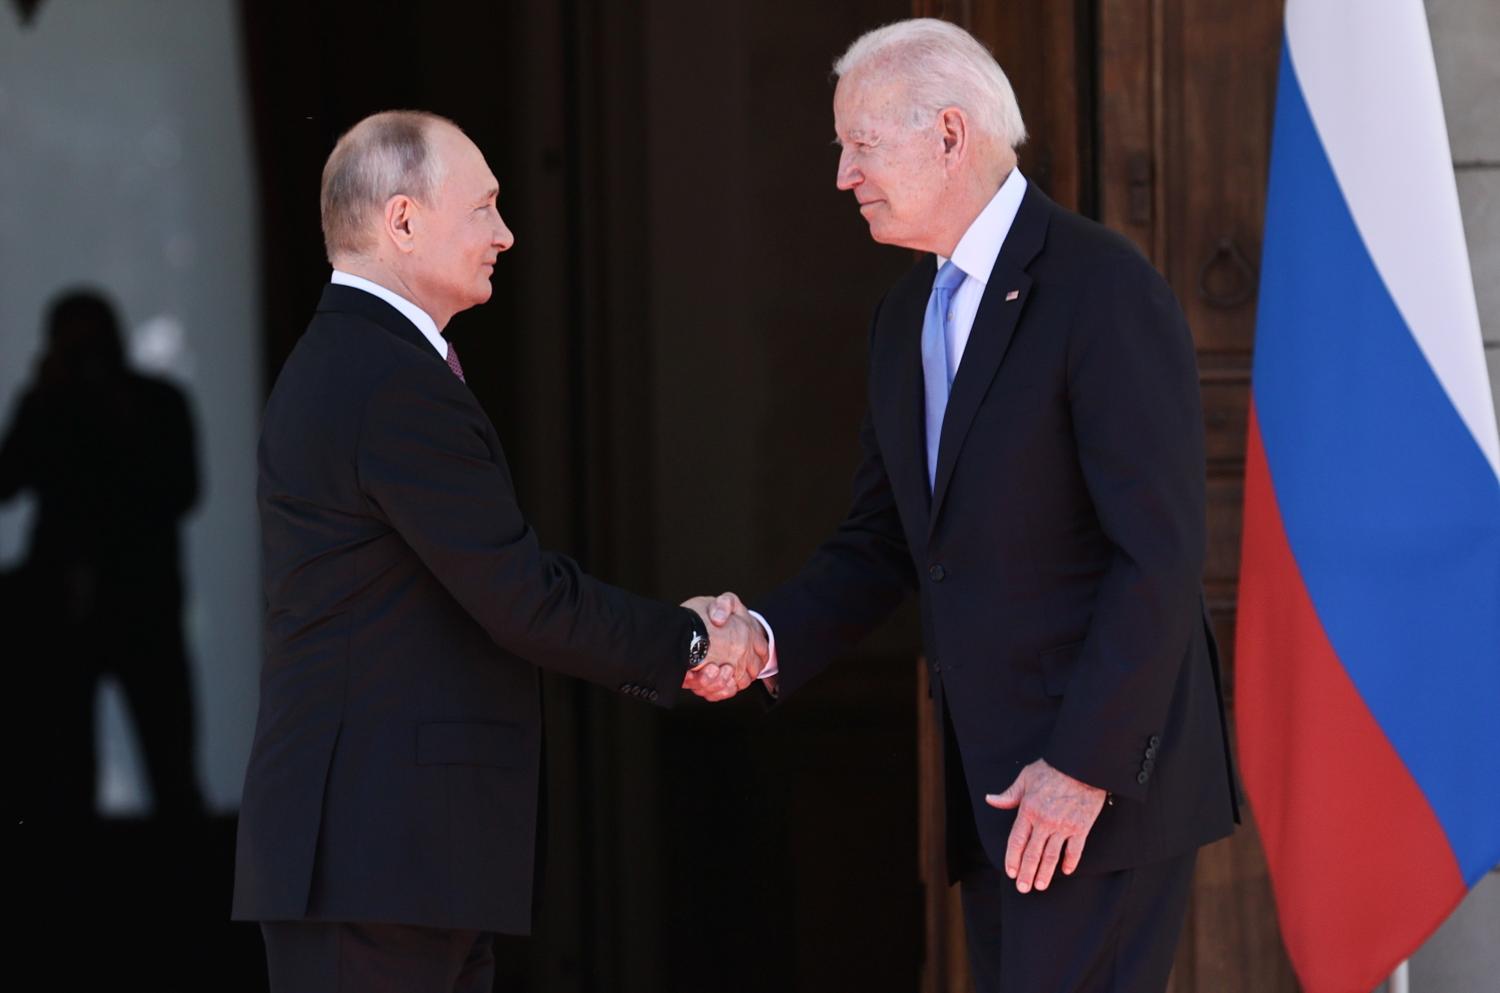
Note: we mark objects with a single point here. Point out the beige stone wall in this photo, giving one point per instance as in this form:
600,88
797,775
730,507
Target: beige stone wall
1466,45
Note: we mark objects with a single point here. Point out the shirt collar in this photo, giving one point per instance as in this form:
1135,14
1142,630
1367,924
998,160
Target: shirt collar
978,249
409,310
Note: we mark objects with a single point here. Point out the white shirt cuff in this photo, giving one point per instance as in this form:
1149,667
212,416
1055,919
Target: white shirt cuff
771,667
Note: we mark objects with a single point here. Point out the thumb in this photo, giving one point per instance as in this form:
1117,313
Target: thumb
724,605
1008,800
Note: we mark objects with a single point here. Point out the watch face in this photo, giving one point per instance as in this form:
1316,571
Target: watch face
697,650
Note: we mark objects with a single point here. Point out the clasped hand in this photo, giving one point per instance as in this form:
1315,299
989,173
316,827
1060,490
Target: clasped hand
737,648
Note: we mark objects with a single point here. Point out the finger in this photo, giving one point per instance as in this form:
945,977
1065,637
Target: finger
706,684
1020,833
1031,859
1010,799
1051,852
1073,854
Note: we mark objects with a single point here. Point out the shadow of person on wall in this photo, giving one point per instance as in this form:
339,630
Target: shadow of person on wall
108,455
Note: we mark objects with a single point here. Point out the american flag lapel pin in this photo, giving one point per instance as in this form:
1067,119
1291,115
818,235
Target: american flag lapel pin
1012,295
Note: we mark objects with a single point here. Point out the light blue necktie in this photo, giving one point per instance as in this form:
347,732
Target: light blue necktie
935,372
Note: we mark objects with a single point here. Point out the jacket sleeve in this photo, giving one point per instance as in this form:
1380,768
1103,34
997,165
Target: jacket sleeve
852,582
1138,426
426,467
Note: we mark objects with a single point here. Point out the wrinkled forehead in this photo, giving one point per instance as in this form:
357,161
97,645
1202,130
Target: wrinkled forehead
864,101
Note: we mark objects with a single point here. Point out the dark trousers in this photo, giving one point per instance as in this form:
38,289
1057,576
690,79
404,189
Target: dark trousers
1113,932
1110,933
321,957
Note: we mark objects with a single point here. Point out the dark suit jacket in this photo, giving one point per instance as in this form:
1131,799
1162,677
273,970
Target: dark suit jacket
1058,559
394,772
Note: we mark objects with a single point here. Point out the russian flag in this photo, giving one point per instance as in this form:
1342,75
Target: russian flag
1368,649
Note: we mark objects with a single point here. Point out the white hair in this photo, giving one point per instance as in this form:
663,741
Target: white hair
941,65
383,155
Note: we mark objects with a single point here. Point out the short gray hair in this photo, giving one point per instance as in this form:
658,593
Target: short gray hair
383,155
942,65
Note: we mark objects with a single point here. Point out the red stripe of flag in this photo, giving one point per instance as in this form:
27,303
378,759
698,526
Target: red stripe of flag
1360,865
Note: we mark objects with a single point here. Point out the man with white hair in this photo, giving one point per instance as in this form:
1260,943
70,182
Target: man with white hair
388,823
1034,468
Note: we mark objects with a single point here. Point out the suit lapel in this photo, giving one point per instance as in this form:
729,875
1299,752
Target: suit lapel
994,325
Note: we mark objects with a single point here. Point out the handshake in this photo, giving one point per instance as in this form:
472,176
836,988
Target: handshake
738,648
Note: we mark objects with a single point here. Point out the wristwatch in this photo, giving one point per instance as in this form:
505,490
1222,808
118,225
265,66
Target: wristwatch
698,643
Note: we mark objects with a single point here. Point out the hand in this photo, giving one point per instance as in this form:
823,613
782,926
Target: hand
1056,811
737,649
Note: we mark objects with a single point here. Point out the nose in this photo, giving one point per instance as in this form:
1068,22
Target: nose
503,238
849,175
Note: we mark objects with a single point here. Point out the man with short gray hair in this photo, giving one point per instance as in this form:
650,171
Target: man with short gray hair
1034,469
388,822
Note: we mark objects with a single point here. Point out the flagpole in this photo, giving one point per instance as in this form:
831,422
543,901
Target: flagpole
1401,978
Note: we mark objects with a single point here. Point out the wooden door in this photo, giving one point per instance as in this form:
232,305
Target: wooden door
1154,116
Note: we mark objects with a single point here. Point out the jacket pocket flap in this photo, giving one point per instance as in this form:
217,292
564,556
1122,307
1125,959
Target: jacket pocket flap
470,744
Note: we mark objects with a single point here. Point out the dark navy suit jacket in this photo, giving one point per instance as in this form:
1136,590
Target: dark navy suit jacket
394,771
1058,557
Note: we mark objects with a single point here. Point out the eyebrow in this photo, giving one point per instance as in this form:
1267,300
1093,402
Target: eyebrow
490,194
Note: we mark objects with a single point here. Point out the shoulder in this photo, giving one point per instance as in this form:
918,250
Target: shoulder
1106,278
347,350
157,389
1086,248
340,366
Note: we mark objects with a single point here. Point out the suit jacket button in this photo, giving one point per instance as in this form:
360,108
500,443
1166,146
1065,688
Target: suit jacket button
651,695
1150,753
1142,777
1154,742
1147,766
936,573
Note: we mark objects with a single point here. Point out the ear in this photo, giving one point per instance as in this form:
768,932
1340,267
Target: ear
953,126
400,221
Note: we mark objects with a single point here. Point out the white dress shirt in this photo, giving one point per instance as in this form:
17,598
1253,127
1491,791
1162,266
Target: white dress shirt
409,310
975,254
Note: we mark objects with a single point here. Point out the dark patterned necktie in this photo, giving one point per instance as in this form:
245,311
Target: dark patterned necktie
452,357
